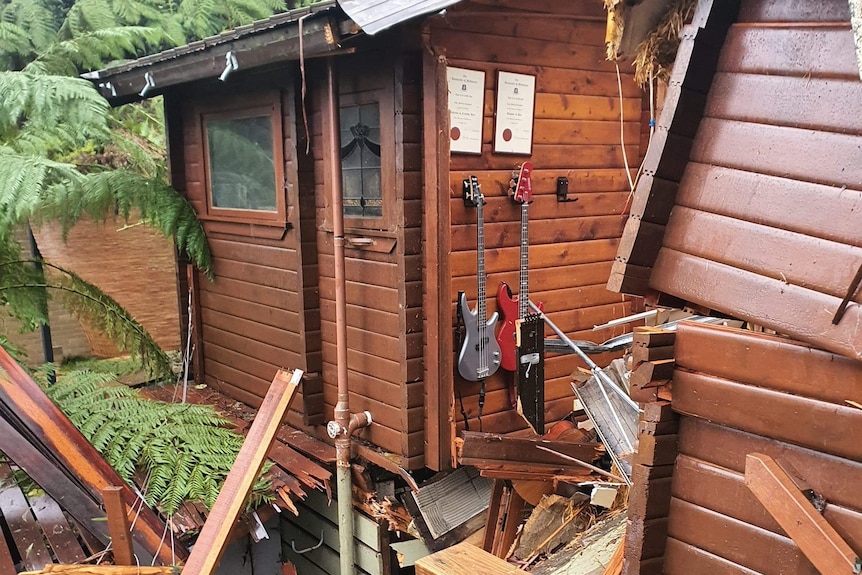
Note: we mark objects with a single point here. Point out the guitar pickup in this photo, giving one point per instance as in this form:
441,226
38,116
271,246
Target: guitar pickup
530,358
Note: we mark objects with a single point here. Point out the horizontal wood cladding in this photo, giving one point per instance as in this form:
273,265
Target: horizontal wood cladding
761,11
577,135
794,310
774,201
815,52
819,156
757,549
383,288
742,392
786,73
794,368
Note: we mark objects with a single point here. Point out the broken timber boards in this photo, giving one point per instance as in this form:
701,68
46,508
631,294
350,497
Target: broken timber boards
464,559
57,436
232,497
777,491
512,457
103,570
650,494
22,524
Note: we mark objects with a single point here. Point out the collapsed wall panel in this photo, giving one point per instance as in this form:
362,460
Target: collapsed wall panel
741,392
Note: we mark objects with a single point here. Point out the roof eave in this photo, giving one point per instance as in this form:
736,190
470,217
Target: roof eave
320,32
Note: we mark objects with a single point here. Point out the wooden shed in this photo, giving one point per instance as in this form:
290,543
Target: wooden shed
750,206
410,241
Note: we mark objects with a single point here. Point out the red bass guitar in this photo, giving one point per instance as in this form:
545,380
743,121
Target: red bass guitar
513,308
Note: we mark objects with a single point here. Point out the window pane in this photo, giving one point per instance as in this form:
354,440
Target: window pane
241,163
360,160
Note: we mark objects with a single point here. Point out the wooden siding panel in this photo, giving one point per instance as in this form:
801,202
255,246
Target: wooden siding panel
818,157
751,547
571,244
791,51
774,201
786,308
795,102
793,367
780,254
779,11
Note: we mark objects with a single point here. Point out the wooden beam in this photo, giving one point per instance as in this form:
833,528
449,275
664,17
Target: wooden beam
478,446
118,526
818,540
464,559
232,497
103,570
57,436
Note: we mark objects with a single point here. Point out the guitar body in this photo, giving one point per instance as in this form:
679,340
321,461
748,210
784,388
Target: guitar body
508,306
470,359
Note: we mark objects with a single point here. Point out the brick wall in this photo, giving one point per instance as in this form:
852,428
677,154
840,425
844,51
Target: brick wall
134,265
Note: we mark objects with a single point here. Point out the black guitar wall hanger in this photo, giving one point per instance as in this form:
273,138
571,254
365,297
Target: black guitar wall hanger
563,190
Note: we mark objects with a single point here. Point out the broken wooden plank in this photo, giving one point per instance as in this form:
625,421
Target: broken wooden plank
104,570
464,559
232,497
652,373
615,567
818,540
641,354
24,529
647,336
488,447
57,530
494,506
58,436
118,526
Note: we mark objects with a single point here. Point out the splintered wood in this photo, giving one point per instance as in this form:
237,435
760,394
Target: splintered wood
464,559
232,497
652,364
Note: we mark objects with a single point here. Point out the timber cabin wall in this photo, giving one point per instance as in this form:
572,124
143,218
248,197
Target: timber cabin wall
250,321
740,393
576,135
384,288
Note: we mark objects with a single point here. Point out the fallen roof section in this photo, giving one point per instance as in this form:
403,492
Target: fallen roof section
749,203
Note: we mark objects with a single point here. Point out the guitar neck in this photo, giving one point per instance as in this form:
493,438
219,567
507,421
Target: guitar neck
480,246
523,275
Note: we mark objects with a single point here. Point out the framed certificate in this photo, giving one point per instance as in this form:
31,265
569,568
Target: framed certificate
513,125
466,109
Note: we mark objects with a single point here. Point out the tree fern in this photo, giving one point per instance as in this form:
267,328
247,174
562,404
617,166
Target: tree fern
185,450
93,306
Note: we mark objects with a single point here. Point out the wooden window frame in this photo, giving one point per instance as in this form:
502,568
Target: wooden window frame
234,109
387,221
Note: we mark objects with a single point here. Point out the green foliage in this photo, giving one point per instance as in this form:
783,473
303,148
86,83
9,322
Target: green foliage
184,450
87,302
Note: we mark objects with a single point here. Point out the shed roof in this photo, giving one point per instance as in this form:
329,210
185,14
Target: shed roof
374,16
304,32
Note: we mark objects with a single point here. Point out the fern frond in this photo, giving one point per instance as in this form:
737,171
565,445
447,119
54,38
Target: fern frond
86,16
159,205
29,306
96,48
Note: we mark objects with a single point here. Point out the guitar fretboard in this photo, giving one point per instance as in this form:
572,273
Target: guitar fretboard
523,276
481,306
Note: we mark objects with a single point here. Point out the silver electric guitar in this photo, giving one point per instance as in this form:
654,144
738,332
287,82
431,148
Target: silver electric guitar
480,352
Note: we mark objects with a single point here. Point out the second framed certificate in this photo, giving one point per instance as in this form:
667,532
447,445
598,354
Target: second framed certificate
513,126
